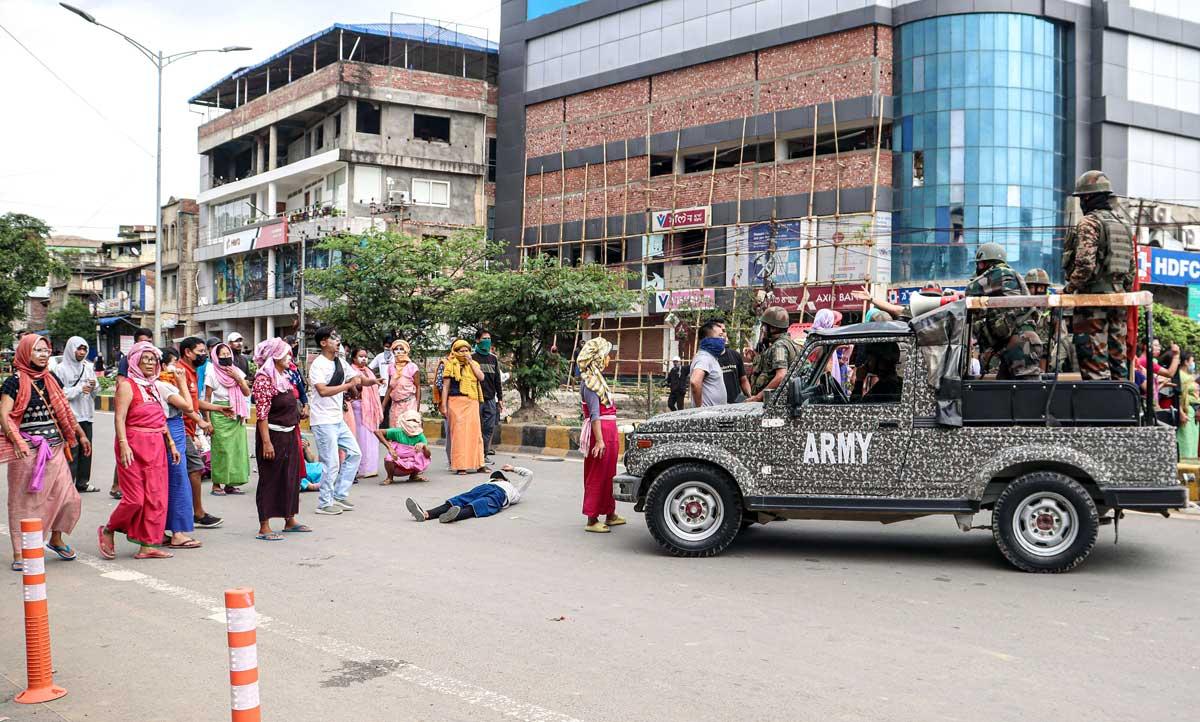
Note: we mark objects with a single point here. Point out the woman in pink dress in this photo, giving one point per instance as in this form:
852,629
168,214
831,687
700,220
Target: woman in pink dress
598,439
142,445
404,387
368,412
407,449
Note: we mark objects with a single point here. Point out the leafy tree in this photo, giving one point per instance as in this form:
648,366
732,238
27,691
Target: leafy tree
391,283
1169,328
28,264
73,319
526,310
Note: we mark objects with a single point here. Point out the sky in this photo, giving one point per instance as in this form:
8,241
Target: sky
86,165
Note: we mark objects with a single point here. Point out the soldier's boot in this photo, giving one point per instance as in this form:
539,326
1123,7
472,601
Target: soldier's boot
1118,336
1021,358
1090,326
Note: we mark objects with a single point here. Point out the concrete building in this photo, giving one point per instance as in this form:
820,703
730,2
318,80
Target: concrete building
354,127
181,231
814,146
126,304
84,260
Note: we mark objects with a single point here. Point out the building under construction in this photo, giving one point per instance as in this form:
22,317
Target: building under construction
732,154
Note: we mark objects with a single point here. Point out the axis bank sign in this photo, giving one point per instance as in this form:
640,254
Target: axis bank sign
684,218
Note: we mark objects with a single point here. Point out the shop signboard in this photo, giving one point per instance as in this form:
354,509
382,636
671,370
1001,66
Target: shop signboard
255,237
810,299
682,219
693,299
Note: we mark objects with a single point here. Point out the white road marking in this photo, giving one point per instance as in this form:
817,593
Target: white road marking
465,691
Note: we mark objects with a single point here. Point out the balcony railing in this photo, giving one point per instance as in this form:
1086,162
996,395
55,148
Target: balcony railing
315,211
217,180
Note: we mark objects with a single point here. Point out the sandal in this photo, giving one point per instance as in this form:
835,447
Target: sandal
90,488
189,544
273,536
154,554
18,566
115,493
107,549
217,492
418,477
234,491
298,529
66,553
385,482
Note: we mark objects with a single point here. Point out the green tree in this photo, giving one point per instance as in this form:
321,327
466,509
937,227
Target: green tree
1170,327
526,310
29,264
391,283
73,319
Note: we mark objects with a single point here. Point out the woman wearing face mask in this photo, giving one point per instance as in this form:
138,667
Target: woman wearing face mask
405,387
368,412
598,438
407,449
177,405
277,448
39,427
460,406
226,387
1188,433
144,450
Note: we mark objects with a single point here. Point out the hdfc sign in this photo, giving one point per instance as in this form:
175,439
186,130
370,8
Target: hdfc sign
698,217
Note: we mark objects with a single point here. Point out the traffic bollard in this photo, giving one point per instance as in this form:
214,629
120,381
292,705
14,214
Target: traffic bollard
39,668
243,654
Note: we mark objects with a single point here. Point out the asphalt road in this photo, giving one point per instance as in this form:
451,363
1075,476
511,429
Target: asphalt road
523,616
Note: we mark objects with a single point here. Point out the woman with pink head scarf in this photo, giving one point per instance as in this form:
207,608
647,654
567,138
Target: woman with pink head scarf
828,318
226,386
143,443
277,443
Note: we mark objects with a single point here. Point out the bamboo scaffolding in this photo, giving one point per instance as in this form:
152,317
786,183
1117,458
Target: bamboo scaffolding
562,193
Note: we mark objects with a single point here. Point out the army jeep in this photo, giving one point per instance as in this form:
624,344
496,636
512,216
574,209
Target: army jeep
1052,459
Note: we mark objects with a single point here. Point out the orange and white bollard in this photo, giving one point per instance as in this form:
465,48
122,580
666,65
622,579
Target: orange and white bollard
241,622
38,666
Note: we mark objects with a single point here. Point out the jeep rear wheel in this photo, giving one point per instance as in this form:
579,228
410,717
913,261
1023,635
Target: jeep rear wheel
1045,522
693,510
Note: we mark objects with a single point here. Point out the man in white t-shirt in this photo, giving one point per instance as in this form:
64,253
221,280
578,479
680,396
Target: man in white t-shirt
708,380
331,377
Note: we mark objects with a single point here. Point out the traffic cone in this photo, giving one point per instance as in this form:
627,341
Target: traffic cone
241,624
39,668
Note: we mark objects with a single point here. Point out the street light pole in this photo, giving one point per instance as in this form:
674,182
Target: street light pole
160,61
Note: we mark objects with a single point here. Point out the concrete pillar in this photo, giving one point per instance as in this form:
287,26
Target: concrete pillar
272,198
259,152
257,332
271,277
270,327
272,147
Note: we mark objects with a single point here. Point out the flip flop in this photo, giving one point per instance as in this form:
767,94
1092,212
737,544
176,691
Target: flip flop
106,547
217,492
234,491
273,536
154,554
115,494
18,566
189,544
88,489
66,553
298,529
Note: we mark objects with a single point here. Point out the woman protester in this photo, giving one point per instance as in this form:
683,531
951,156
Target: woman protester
1188,433
367,408
461,397
277,443
39,428
404,388
598,437
407,449
227,390
142,444
177,404
78,380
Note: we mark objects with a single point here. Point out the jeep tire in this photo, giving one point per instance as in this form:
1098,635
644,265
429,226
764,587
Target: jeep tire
1045,522
693,510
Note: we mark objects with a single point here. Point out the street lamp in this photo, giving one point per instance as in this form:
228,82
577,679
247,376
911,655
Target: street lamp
160,61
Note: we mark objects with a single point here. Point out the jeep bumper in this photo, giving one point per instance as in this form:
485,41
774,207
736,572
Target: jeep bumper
1154,499
625,488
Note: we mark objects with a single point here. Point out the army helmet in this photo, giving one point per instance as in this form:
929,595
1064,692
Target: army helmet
990,252
775,317
1037,277
1093,181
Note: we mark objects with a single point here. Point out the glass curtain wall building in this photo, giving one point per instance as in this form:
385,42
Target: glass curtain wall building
982,142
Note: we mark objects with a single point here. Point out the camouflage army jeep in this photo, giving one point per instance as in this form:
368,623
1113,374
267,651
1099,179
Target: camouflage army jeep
1051,459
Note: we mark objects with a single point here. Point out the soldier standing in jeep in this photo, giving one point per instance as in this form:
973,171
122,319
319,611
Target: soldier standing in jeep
1009,333
1098,258
776,353
1057,340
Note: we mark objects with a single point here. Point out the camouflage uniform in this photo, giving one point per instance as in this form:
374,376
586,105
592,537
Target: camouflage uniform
1059,344
779,355
1098,258
1009,333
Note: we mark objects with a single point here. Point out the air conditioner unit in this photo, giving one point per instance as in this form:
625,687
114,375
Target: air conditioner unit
399,198
1162,214
1190,236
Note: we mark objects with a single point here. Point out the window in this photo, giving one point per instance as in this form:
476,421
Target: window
491,160
430,192
749,154
846,142
864,373
689,247
662,165
368,118
318,137
918,168
337,125
431,128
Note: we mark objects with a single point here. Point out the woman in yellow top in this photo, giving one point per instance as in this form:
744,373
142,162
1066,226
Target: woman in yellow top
461,398
1188,433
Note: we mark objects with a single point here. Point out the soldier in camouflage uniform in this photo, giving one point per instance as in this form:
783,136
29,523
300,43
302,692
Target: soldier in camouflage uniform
1007,333
1052,328
1098,258
776,355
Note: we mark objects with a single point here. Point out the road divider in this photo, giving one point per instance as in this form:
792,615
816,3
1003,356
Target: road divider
242,629
39,668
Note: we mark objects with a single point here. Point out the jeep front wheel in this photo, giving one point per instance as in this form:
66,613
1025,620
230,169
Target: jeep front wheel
693,510
1045,522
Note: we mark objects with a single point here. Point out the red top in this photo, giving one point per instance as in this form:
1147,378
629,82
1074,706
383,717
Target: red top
189,373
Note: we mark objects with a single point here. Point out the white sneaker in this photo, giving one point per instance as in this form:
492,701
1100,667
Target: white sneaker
332,510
